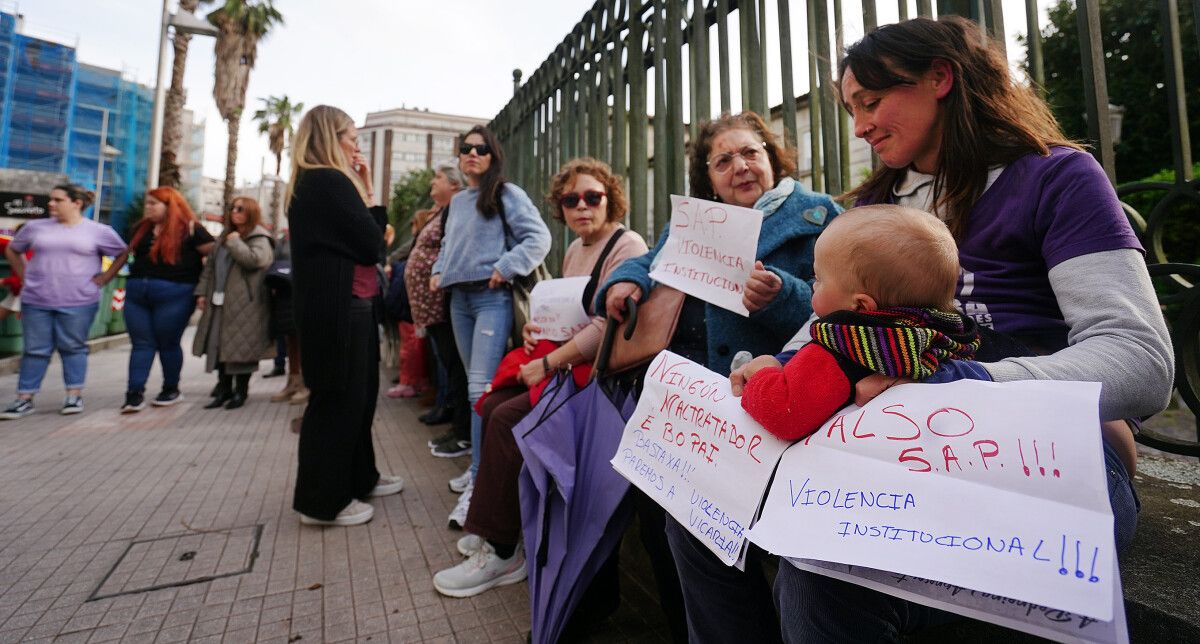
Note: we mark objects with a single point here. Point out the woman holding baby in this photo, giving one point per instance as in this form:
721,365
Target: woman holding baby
1047,258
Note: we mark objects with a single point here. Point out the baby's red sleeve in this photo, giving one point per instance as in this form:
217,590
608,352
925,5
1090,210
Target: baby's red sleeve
794,401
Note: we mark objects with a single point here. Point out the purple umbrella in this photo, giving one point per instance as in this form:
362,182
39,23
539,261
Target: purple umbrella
571,506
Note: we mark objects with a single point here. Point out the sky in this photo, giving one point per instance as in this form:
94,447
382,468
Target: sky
453,56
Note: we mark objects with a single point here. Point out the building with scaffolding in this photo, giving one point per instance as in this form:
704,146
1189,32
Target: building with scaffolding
59,115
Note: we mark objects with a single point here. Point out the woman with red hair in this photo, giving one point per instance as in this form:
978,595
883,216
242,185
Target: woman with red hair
168,246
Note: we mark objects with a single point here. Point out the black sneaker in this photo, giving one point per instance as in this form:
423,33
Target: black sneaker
442,438
72,405
168,397
452,449
20,408
135,401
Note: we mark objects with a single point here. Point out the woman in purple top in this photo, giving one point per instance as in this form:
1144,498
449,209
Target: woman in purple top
58,301
1047,257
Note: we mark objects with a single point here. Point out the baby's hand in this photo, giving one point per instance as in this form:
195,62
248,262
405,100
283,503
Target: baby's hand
739,377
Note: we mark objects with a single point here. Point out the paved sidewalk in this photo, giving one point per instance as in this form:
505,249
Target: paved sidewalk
91,505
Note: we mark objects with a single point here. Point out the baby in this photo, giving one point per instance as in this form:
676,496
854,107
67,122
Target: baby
883,291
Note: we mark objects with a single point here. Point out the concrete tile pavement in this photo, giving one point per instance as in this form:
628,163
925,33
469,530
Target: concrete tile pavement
78,494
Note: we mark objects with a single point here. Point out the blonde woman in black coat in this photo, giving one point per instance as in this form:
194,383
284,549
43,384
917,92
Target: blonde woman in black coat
336,243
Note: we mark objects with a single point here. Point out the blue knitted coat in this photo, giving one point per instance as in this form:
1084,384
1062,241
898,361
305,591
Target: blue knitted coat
785,246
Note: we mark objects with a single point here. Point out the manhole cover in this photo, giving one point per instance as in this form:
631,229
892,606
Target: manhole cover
181,560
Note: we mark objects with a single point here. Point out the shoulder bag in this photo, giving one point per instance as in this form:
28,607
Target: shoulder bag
522,286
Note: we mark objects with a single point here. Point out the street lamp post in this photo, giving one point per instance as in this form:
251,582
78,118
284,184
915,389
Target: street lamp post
106,152
185,23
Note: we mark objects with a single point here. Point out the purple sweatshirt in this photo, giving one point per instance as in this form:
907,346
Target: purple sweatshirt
65,258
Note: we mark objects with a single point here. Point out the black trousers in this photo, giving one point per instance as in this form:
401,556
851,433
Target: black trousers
442,336
337,458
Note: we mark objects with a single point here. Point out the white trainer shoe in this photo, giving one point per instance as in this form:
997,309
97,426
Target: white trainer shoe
481,571
386,485
459,484
470,544
357,513
458,516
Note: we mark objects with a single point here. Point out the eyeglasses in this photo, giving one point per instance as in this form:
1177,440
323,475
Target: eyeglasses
590,197
481,149
723,163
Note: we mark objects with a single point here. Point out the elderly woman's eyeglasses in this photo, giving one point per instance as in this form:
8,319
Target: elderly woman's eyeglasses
723,163
590,197
481,149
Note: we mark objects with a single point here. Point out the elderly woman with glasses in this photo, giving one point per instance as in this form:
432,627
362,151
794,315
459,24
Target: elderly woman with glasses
493,235
232,332
737,160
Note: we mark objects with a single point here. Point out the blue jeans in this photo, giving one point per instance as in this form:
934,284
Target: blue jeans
46,329
156,314
816,608
482,320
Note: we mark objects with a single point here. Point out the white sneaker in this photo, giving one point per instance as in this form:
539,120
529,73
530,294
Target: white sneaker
470,544
356,513
460,483
481,571
458,516
386,485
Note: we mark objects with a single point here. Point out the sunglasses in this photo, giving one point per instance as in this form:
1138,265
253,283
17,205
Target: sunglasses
481,149
590,197
238,209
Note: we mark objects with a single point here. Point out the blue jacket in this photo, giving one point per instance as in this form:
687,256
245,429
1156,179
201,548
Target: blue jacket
473,245
785,247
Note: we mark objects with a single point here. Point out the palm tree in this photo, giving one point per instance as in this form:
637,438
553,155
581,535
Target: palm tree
168,174
242,23
275,120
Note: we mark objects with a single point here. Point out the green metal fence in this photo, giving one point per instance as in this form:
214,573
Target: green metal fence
592,96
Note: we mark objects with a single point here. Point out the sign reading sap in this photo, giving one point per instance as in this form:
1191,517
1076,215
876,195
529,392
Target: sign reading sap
556,306
710,251
997,487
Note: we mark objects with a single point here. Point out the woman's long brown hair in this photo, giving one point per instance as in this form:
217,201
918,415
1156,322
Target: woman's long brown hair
987,119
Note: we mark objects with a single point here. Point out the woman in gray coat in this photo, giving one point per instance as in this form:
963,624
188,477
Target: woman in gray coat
233,332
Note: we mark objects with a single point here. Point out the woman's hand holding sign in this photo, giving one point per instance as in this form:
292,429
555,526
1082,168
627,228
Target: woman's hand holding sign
761,288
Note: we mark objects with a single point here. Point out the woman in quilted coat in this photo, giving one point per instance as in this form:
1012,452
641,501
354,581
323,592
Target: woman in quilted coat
232,333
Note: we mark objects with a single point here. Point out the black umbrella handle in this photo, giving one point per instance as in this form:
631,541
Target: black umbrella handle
610,336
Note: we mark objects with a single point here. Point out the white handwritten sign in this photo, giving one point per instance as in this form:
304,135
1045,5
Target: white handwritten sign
557,307
1043,621
691,447
710,251
999,487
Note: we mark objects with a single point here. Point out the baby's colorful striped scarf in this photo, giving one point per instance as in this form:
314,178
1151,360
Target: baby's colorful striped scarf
902,341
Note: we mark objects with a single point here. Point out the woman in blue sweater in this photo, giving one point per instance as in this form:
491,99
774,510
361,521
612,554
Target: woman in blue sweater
493,234
736,160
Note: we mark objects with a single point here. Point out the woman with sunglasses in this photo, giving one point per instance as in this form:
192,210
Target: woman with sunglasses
736,160
168,248
589,198
337,241
233,331
493,235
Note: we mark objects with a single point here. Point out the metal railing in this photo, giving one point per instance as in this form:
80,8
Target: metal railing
592,96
